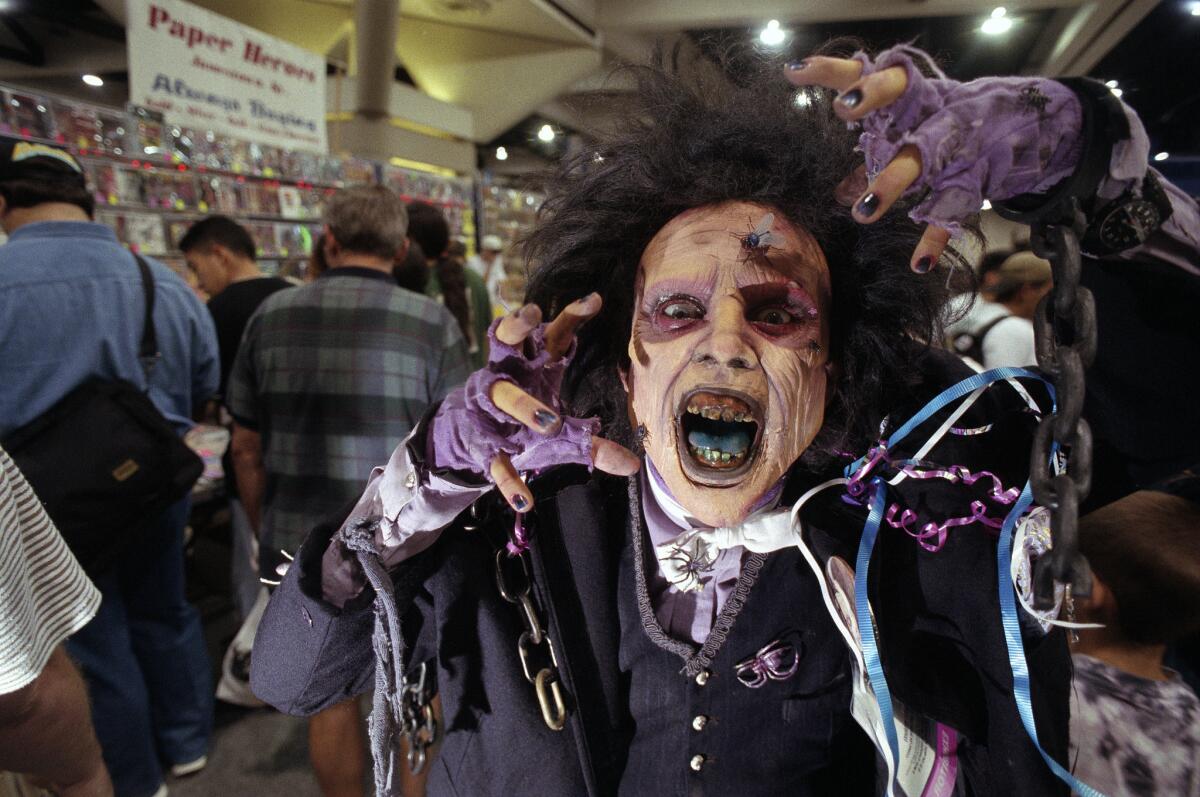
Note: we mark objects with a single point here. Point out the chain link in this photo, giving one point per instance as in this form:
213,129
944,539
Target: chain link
418,723
539,662
1060,472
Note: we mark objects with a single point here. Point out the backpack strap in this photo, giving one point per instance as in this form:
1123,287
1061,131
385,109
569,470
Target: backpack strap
148,353
985,329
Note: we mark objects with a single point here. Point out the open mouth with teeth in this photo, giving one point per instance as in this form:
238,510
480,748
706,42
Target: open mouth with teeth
720,433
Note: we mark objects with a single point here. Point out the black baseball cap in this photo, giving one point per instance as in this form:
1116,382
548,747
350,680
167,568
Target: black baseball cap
30,160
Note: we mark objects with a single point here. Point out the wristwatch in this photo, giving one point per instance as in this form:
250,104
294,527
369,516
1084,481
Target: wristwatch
1128,220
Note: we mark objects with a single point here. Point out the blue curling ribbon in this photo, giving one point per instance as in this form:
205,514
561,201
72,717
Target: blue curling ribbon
866,629
1016,649
1008,606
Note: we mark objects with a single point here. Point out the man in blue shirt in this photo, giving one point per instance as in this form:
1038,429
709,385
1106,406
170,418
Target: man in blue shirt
71,307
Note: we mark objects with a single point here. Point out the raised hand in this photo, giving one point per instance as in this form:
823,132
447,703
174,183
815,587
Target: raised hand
954,143
508,417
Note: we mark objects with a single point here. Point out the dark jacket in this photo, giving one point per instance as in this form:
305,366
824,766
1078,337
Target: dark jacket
939,629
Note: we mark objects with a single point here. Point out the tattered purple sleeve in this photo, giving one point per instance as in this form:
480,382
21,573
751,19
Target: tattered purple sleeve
998,138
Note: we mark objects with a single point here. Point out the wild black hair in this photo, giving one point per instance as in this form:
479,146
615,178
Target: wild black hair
685,142
220,230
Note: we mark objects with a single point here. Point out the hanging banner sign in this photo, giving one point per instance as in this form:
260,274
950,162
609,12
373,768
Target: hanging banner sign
205,71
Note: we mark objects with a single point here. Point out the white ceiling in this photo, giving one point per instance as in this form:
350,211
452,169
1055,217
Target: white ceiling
503,60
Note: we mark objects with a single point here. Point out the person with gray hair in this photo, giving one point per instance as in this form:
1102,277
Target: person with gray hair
329,379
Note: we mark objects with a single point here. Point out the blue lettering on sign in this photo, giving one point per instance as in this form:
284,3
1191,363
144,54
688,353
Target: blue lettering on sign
261,111
179,88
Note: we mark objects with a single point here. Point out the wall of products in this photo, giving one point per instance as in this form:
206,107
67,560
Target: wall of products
152,180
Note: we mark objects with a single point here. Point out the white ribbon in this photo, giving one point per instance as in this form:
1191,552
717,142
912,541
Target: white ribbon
684,559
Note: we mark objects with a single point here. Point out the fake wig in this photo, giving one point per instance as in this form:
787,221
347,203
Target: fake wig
683,142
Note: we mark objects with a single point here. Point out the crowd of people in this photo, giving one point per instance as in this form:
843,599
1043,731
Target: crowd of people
387,371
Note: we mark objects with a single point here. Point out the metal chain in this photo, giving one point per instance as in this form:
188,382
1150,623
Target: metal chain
1060,472
418,724
539,662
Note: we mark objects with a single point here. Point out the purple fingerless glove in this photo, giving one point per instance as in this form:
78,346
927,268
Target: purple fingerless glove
468,430
992,138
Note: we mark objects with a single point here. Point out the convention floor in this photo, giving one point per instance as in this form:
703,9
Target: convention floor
255,751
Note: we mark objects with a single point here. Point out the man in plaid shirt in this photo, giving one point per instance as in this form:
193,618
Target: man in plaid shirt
328,380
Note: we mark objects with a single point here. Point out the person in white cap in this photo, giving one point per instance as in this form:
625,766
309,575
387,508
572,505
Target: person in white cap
489,265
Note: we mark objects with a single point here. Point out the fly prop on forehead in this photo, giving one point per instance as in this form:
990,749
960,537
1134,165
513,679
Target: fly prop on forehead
760,239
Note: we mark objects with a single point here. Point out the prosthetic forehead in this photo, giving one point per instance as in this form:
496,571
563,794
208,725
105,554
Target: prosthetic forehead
709,243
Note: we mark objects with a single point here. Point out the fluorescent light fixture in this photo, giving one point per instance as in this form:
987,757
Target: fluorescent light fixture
546,133
93,80
772,35
501,154
1161,156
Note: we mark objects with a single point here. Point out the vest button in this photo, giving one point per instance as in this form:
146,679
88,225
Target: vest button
697,762
702,677
699,721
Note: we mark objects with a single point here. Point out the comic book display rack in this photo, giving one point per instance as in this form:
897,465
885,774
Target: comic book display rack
151,180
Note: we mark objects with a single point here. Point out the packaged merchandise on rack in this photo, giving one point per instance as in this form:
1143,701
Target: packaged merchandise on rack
152,180
29,115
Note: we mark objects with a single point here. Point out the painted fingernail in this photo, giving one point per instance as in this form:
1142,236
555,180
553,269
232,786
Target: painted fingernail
868,205
796,66
519,503
923,265
544,418
851,98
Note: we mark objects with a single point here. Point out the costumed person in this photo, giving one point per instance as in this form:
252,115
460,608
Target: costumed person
632,546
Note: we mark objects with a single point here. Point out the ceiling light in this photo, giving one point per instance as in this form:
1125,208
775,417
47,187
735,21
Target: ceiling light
772,35
93,80
995,25
999,12
1162,156
1116,92
1195,8
546,133
501,154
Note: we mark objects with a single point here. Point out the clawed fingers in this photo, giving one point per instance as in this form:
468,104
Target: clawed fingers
929,249
510,484
818,70
613,458
896,177
524,408
561,331
517,325
875,91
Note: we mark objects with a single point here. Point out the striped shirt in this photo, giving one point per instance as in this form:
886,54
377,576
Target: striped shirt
44,595
334,375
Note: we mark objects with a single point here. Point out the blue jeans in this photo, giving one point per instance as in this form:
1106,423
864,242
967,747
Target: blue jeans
145,662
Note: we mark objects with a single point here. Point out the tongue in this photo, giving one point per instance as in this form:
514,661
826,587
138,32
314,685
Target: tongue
733,443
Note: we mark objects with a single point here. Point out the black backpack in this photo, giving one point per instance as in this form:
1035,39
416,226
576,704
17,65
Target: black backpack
104,461
970,344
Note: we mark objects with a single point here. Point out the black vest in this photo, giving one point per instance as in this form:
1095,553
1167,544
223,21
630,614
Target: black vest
700,731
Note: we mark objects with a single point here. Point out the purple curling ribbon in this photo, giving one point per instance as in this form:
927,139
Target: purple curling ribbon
956,473
931,536
856,486
519,540
936,531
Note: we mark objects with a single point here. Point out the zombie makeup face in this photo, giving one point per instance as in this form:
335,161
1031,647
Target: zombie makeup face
728,355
